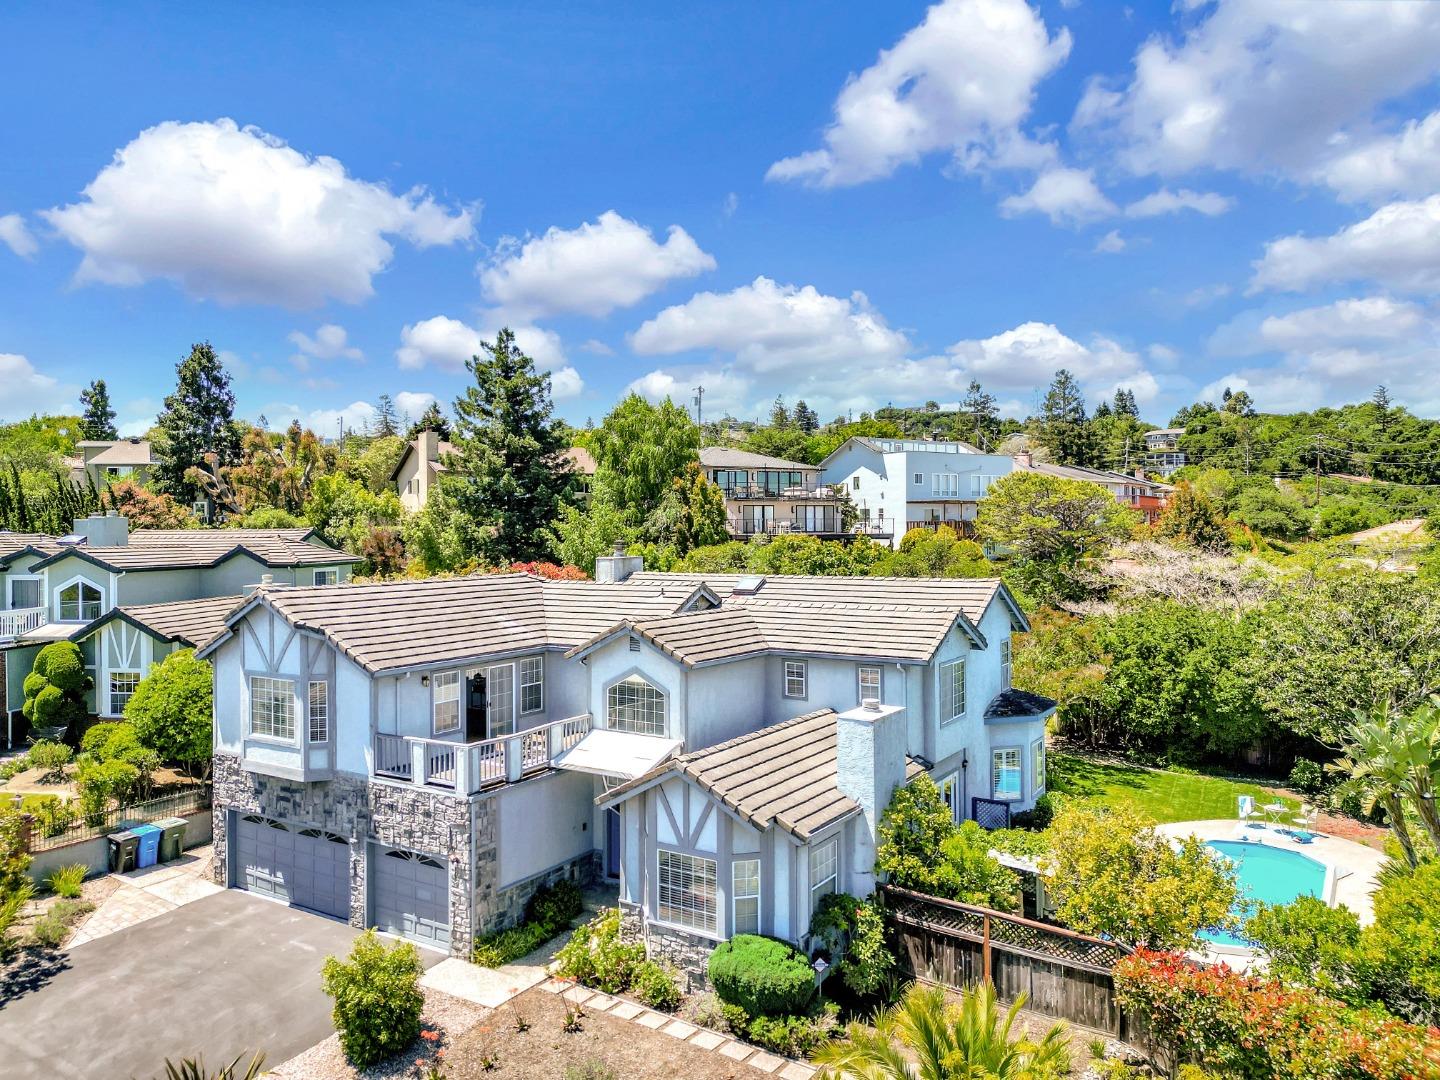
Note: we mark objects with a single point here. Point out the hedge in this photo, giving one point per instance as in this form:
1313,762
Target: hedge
763,976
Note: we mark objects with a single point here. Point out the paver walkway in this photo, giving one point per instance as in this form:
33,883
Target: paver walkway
144,894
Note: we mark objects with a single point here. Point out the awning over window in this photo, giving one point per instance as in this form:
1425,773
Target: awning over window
617,753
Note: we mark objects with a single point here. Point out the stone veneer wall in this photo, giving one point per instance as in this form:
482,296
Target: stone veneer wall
392,814
690,953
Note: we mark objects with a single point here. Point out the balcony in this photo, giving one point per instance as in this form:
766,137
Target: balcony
469,768
20,621
741,528
806,490
962,528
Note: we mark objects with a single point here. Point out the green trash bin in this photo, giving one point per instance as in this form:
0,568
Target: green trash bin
172,837
124,850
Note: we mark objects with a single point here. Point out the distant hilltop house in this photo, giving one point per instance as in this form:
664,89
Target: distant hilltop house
126,597
766,496
902,484
420,466
102,461
1162,450
1130,489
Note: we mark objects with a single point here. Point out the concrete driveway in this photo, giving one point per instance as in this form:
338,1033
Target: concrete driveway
230,974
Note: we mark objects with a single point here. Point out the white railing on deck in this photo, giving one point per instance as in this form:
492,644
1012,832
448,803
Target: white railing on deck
466,768
20,621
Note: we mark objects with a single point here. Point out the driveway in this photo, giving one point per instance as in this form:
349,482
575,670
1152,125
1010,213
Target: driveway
230,974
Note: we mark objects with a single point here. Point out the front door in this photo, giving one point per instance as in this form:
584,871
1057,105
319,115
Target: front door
612,843
475,706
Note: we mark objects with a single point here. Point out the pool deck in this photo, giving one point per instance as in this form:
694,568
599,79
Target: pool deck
1355,864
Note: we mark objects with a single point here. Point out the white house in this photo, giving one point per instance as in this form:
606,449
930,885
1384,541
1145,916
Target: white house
908,484
421,756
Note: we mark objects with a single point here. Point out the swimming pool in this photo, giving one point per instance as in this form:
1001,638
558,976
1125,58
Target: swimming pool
1267,874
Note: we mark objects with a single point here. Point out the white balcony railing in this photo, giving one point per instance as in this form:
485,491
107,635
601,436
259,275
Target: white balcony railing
466,768
20,621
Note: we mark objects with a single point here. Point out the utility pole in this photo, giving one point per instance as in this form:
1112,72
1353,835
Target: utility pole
1317,468
700,407
1127,453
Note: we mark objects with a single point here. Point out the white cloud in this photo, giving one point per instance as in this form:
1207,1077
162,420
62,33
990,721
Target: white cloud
1397,246
1065,195
1205,295
596,347
726,391
960,83
730,205
1165,201
30,391
235,215
1348,322
16,235
412,403
1027,357
1263,86
593,269
446,343
769,326
1112,243
1405,163
1163,355
330,342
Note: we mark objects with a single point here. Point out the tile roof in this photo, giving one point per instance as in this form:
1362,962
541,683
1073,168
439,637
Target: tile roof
161,549
1094,476
726,457
1016,704
784,775
581,460
124,452
189,622
12,543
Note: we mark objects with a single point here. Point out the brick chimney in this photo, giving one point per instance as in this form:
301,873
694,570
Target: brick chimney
869,766
1024,459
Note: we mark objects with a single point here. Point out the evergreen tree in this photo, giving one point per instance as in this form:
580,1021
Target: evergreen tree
1125,403
98,419
432,419
198,419
692,513
508,475
1191,517
984,416
1239,403
1062,427
386,418
806,419
779,417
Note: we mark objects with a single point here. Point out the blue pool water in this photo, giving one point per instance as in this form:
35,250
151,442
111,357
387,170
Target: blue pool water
1267,874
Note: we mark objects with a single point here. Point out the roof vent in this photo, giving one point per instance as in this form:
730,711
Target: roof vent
267,579
72,540
871,704
748,585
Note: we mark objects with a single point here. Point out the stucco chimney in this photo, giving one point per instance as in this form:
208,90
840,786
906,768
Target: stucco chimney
1139,472
104,530
616,567
1024,459
869,766
428,444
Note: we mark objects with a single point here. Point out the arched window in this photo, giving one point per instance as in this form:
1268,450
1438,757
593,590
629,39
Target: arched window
80,602
632,704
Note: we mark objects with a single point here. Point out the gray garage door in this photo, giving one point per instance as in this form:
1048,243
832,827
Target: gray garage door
410,895
307,867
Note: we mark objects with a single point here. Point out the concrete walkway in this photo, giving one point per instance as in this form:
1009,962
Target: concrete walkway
145,894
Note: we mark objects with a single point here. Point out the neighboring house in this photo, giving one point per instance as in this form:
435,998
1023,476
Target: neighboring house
54,588
421,756
419,468
1162,450
1147,497
768,495
582,468
904,484
104,461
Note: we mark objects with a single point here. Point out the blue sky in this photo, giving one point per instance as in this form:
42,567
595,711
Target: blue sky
855,204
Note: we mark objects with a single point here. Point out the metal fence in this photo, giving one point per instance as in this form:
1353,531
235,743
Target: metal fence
47,834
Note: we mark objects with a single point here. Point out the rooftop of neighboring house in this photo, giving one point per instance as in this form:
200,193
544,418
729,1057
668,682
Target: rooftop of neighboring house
116,452
1011,704
727,457
187,622
580,460
389,627
1025,463
1165,433
431,445
785,775
903,446
15,543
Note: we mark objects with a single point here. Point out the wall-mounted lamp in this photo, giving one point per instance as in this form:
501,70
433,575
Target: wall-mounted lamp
424,680
964,761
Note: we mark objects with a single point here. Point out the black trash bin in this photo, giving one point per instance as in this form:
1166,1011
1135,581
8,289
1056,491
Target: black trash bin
124,851
172,837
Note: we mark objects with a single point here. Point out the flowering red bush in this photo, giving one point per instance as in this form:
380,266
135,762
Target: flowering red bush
553,571
1256,1028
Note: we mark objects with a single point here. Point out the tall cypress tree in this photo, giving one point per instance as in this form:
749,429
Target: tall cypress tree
198,419
508,476
1062,427
98,419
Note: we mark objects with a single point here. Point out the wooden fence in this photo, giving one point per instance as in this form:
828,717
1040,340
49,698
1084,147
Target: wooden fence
1062,973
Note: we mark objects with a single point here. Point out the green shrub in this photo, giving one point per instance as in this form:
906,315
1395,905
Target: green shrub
1307,776
795,1035
377,998
1039,817
550,911
99,784
12,902
852,934
55,690
52,757
13,767
655,986
172,709
52,814
595,955
66,880
594,1069
763,976
97,735
52,928
555,905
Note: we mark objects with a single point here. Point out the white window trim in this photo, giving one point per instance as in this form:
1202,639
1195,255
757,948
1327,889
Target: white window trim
957,811
664,703
250,732
331,574
804,678
110,689
833,878
82,580
1019,753
860,670
1038,765
435,700
758,895
1007,665
310,714
713,932
13,579
947,691
521,684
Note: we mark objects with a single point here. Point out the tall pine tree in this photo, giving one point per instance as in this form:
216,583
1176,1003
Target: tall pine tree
508,476
98,419
1062,427
982,413
386,418
198,419
432,419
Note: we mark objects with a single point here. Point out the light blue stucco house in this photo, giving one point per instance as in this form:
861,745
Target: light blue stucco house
422,755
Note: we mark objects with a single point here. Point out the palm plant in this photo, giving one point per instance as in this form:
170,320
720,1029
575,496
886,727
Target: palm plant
1390,760
928,1037
194,1069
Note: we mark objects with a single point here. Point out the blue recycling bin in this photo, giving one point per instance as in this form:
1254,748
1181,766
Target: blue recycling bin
149,850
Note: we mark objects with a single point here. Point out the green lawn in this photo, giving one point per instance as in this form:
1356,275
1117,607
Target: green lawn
1163,795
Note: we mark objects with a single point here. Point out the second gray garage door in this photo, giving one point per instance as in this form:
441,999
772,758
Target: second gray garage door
410,895
307,867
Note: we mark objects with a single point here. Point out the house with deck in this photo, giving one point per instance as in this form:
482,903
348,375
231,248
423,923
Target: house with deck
768,496
99,462
421,756
61,588
1133,489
